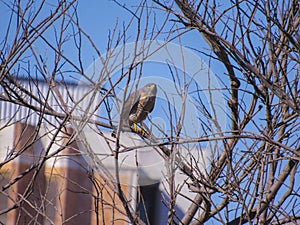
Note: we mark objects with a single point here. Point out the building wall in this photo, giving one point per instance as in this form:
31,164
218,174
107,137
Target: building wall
61,190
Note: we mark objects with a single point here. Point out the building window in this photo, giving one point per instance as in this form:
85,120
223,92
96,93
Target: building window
147,202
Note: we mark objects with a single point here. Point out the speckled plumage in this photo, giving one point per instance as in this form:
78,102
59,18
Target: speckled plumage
138,105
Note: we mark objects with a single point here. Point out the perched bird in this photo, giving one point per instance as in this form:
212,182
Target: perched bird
137,106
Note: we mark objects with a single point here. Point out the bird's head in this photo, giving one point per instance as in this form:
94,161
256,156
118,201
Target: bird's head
151,89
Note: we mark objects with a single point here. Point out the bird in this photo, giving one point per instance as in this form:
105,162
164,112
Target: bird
137,107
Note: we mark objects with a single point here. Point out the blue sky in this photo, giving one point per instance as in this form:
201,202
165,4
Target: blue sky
98,19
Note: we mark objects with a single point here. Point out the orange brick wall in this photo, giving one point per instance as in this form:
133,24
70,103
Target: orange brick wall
52,194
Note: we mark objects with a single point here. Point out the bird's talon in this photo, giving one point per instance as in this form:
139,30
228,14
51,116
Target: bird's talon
135,128
138,130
